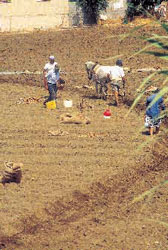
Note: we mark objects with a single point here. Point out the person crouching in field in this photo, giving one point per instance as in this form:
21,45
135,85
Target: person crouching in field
51,78
152,120
117,76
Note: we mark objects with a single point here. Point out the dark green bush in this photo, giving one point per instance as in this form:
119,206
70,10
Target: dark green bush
139,7
92,9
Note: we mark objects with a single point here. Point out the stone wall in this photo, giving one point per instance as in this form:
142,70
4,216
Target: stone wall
22,15
116,9
75,14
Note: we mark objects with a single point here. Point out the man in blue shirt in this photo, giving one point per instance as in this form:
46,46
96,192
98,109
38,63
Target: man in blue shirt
152,120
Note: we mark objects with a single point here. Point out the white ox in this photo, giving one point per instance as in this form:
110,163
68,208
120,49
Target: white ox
100,75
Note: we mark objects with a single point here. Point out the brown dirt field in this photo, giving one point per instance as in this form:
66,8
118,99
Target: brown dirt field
77,190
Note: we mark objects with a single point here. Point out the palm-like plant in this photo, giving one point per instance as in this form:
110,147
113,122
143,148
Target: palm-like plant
161,43
158,45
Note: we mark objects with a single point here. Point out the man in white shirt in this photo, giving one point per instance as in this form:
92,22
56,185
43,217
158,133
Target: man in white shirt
51,77
117,76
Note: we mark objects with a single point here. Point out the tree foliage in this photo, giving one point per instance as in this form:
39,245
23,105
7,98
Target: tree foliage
92,9
140,7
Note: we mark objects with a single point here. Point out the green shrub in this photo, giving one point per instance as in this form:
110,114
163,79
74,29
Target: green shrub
91,9
139,7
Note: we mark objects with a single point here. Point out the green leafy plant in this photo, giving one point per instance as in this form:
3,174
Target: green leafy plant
92,9
139,7
150,192
156,42
158,46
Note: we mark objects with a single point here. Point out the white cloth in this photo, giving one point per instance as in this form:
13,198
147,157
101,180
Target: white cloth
49,67
116,73
52,77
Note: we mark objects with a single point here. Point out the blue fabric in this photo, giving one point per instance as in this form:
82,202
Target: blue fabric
52,88
154,110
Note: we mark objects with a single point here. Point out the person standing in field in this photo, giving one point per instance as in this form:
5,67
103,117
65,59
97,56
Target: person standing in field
152,119
51,77
117,76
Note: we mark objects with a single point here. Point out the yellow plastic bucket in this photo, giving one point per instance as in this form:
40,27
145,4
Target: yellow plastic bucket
51,104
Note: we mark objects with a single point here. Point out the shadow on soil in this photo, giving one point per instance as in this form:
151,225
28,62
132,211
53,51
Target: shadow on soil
128,102
5,241
145,133
92,97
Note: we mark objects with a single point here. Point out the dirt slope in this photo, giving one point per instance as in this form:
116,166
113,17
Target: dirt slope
77,189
